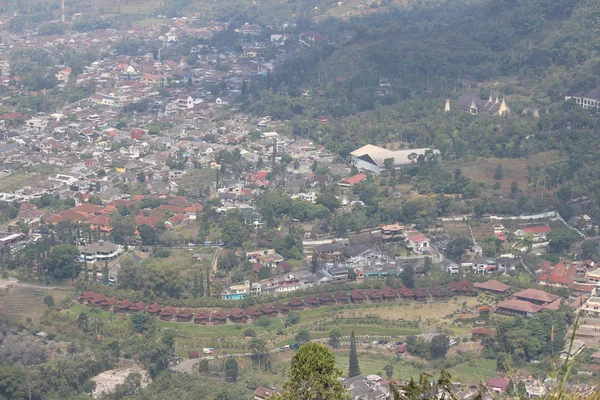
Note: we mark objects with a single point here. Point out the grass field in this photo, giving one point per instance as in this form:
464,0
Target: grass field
23,303
372,363
514,170
413,311
456,229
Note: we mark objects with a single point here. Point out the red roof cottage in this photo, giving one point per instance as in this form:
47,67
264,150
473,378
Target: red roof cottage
167,313
237,315
462,287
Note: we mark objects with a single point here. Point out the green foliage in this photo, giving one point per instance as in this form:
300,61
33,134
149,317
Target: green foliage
148,235
334,337
231,370
63,261
456,248
353,367
140,322
408,276
529,339
233,229
313,375
562,239
302,337
293,318
439,346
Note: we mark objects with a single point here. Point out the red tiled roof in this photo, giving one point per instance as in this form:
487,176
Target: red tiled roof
537,295
154,308
237,313
464,285
538,229
353,180
418,238
500,382
492,285
519,305
125,303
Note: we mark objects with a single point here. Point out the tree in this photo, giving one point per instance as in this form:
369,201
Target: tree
562,239
140,322
231,370
439,346
456,248
258,348
49,301
314,263
408,276
233,229
141,177
292,319
334,337
302,337
148,235
63,261
328,200
389,370
353,367
83,322
498,174
313,375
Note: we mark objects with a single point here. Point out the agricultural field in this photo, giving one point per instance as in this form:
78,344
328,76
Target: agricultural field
513,170
456,229
17,180
28,302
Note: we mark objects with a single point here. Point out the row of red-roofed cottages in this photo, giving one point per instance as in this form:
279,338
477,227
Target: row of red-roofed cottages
238,315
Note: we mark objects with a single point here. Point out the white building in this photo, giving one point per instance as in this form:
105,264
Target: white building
590,99
372,158
100,251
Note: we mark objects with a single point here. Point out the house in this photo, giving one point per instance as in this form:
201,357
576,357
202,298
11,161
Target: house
124,305
138,307
392,232
267,258
518,307
184,315
357,296
353,180
418,243
262,393
218,317
325,299
591,307
389,294
463,287
253,313
474,104
373,158
108,304
535,296
593,277
312,302
237,315
296,304
328,252
498,384
450,266
590,99
539,233
268,310
492,286
167,313
341,297
154,309
100,251
202,317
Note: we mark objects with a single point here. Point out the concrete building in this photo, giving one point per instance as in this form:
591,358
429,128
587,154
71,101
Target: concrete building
372,158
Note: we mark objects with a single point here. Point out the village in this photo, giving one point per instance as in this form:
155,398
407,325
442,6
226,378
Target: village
222,224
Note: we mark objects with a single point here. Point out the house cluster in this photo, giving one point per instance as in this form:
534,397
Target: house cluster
238,315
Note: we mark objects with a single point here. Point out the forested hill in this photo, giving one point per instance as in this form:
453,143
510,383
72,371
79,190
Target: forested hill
535,50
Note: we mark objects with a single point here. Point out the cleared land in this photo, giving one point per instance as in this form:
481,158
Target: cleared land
23,303
513,170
